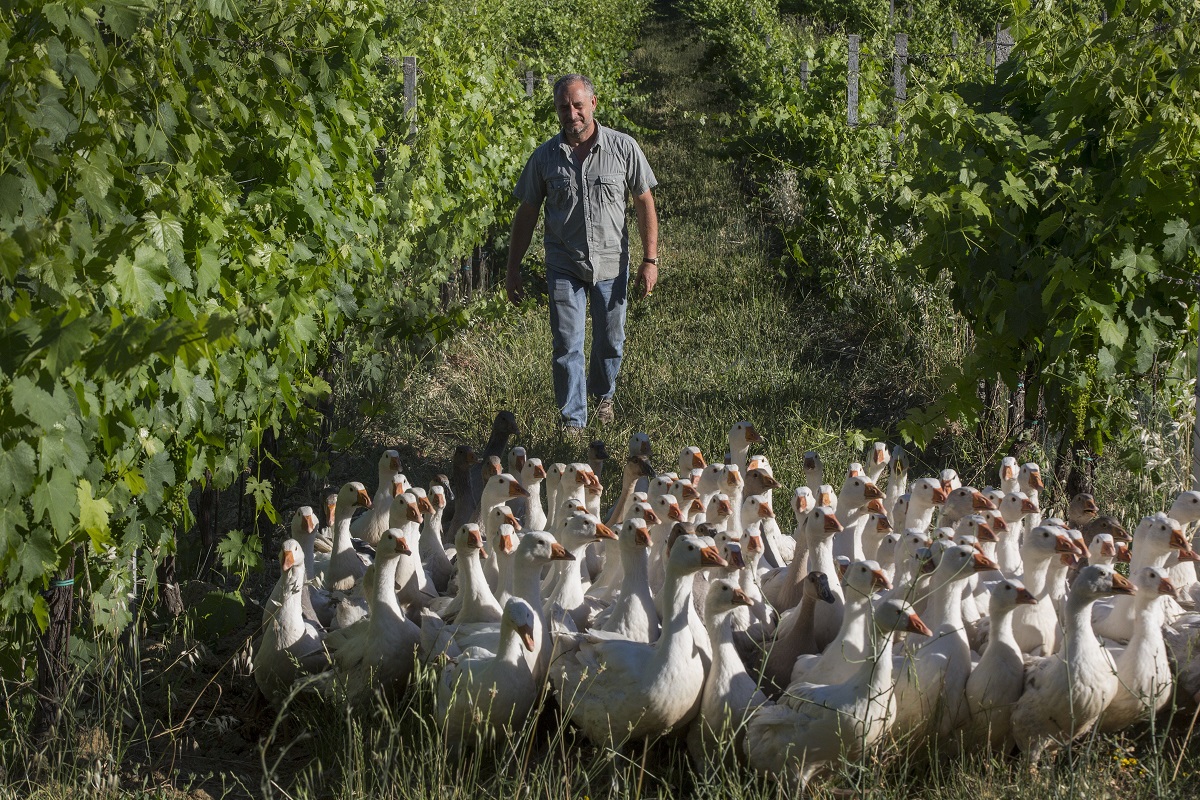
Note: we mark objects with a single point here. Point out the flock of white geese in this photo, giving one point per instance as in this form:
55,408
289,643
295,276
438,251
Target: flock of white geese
923,615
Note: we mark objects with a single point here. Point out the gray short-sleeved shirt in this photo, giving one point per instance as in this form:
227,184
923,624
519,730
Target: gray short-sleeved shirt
586,231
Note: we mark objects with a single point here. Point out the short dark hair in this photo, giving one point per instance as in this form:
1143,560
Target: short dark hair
574,77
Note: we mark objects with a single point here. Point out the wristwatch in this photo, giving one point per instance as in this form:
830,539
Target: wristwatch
653,261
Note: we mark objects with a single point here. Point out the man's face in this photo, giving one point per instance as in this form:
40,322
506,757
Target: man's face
576,107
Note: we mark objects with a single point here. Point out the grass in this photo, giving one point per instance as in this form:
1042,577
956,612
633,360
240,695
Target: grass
727,336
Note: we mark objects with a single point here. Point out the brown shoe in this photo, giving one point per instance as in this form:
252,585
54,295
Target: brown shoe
605,412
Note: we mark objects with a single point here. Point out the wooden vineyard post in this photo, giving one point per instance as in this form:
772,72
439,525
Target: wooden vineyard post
1196,416
852,82
529,83
899,63
53,654
1002,46
900,76
410,94
954,41
804,76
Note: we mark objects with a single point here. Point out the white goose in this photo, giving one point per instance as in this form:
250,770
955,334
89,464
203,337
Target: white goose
1029,478
798,641
925,496
841,658
1144,681
897,484
480,695
931,685
346,566
632,615
741,436
304,532
433,551
618,691
1066,693
822,525
730,695
1154,539
858,499
691,458
1036,626
290,646
996,682
532,475
370,526
378,652
576,535
815,726
475,600
1016,509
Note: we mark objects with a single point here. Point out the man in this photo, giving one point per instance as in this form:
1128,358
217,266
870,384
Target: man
582,175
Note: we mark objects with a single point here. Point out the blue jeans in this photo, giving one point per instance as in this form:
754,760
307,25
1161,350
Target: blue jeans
569,298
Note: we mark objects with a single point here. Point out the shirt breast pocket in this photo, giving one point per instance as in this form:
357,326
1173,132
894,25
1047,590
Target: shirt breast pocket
560,193
611,188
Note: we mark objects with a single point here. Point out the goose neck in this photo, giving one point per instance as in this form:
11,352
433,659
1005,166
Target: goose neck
1080,640
676,639
384,588
341,534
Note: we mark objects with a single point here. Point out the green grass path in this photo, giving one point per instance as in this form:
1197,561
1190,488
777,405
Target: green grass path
724,338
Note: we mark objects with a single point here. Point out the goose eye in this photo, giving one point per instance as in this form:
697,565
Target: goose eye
690,547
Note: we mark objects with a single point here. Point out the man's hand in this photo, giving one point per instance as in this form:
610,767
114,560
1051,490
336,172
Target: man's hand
647,278
513,286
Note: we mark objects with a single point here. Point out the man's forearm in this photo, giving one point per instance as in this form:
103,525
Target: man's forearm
647,220
524,221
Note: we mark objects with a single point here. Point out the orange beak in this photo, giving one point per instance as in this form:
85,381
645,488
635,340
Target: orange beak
709,557
414,513
1063,545
765,512
879,580
985,533
402,546
526,633
1166,587
1029,507
674,513
287,560
873,492
310,522
476,541
364,499
1108,549
876,506
1025,597
983,563
698,461
511,520
559,553
641,537
979,502
832,525
1178,540
1121,584
939,496
915,625
882,525
740,598
1035,480
604,532
515,489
